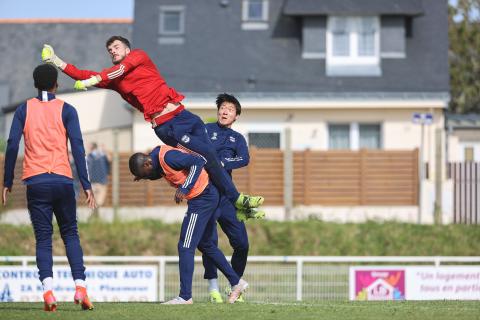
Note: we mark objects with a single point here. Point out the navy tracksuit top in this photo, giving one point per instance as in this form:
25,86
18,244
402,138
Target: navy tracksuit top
231,146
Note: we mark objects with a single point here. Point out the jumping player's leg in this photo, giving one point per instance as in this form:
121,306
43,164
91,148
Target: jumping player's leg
188,131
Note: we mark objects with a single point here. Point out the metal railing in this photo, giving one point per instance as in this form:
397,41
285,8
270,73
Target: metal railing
272,278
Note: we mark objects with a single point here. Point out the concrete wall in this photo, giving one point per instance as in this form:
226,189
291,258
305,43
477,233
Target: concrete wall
99,109
459,139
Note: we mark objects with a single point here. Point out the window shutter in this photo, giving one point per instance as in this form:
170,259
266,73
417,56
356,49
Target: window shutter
314,37
393,37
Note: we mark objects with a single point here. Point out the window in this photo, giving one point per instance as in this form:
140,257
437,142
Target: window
366,37
353,46
369,136
340,38
264,140
338,136
354,136
255,10
171,24
255,14
469,154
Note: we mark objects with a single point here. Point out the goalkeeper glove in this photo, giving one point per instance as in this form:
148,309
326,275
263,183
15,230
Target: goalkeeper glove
84,84
48,56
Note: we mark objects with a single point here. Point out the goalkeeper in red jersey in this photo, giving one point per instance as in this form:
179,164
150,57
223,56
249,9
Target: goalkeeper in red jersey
136,78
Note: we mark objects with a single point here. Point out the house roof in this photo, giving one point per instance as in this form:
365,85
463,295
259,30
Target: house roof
218,55
315,7
463,121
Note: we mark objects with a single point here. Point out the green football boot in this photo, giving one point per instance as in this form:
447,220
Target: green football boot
215,297
244,214
245,201
255,213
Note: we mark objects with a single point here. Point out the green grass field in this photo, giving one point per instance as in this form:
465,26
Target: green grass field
434,310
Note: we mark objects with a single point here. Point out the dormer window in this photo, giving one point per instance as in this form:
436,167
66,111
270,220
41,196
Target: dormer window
255,14
171,27
353,46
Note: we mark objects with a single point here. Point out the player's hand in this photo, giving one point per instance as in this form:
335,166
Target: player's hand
179,196
84,84
47,53
79,85
90,199
48,56
4,197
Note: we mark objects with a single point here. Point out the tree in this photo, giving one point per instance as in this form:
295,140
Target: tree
464,56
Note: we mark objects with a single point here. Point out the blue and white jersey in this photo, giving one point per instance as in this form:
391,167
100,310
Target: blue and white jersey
232,149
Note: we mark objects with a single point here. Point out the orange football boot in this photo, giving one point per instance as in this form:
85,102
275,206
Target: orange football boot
81,298
50,303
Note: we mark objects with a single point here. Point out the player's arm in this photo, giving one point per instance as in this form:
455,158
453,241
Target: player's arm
103,78
241,158
72,125
185,161
16,132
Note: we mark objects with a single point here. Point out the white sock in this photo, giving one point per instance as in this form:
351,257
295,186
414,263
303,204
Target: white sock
80,282
47,284
212,285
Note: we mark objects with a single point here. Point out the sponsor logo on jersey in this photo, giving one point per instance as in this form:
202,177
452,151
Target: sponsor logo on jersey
185,139
232,139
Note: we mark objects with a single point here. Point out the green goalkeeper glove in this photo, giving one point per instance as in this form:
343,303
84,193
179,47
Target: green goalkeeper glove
84,84
48,56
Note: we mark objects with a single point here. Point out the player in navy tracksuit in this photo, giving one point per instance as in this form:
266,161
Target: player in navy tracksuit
232,151
185,172
47,123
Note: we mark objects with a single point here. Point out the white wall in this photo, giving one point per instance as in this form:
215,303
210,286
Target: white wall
463,145
310,127
99,109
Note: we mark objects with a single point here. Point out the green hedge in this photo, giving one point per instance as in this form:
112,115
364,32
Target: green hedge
311,237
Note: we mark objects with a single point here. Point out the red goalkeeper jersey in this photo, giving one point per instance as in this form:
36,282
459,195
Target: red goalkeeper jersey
137,80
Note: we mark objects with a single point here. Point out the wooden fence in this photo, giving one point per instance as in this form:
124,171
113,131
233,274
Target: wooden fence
466,191
331,178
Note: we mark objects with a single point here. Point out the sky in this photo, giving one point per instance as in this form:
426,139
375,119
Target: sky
20,9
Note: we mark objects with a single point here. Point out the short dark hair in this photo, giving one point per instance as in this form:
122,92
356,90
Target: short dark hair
45,77
136,162
225,97
119,38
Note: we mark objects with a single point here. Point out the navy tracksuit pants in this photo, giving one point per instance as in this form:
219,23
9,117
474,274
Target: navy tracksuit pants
43,200
237,236
197,227
188,130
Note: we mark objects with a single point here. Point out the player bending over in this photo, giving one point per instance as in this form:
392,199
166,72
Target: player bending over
185,172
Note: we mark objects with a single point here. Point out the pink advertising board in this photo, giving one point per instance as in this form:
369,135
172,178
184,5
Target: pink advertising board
415,283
